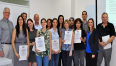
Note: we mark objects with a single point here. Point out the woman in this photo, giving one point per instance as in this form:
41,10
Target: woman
61,26
67,48
33,33
20,37
71,22
49,24
79,48
56,35
91,44
44,56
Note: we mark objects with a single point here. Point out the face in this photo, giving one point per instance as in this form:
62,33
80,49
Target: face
30,24
20,21
36,18
61,20
43,23
55,23
24,17
78,24
49,23
104,18
90,23
84,15
71,22
6,13
66,25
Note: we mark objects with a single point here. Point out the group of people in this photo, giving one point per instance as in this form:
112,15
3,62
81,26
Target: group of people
25,32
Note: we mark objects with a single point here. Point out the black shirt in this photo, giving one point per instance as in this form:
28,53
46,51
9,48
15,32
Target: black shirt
108,30
80,46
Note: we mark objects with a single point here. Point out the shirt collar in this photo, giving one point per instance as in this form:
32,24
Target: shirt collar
42,31
53,30
102,24
85,23
5,20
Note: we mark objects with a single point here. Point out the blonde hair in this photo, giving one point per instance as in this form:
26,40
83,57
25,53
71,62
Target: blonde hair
88,26
67,22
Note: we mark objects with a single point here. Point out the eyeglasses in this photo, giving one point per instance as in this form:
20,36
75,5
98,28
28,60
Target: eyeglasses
20,19
6,12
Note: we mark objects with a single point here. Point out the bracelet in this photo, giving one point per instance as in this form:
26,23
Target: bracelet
105,43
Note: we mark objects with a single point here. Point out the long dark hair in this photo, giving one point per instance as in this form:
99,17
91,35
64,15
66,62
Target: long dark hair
57,26
33,24
47,23
23,27
59,22
76,20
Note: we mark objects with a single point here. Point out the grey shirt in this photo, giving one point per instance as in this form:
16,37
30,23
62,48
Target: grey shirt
6,29
85,26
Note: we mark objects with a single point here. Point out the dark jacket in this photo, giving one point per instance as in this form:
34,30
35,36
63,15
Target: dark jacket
93,41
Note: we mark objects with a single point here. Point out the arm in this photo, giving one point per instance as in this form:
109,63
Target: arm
72,43
28,43
50,44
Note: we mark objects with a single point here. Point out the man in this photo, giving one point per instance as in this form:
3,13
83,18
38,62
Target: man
6,28
24,15
85,23
36,19
105,28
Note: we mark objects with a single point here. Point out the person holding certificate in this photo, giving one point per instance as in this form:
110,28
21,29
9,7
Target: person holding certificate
106,36
91,44
68,41
19,40
44,56
56,43
33,33
79,43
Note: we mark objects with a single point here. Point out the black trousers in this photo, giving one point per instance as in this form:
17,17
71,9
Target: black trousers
67,60
91,61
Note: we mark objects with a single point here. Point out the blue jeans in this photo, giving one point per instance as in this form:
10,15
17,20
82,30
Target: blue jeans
39,60
54,60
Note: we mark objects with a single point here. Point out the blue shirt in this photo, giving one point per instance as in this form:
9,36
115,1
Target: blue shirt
38,27
65,47
88,50
55,35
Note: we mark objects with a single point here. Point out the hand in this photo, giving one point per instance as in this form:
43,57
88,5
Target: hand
27,56
102,44
18,56
63,41
81,38
70,53
53,51
1,53
49,57
33,43
37,51
58,51
93,56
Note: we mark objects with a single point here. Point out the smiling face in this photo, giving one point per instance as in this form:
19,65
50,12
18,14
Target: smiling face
36,18
78,24
104,18
61,20
24,17
20,20
6,13
54,23
66,25
43,23
30,24
90,24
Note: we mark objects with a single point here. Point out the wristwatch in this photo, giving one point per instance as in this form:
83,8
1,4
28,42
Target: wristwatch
105,43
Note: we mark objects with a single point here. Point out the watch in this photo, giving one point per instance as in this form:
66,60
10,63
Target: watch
105,43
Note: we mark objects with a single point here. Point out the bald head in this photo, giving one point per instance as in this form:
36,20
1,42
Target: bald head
36,18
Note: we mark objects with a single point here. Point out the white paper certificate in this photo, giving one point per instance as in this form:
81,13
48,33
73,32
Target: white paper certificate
55,45
68,37
23,52
105,39
40,44
77,36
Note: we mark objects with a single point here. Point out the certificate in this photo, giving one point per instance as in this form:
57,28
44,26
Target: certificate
77,36
55,45
105,39
40,44
23,52
68,37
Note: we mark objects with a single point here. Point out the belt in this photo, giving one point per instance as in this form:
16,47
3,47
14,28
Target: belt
5,43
